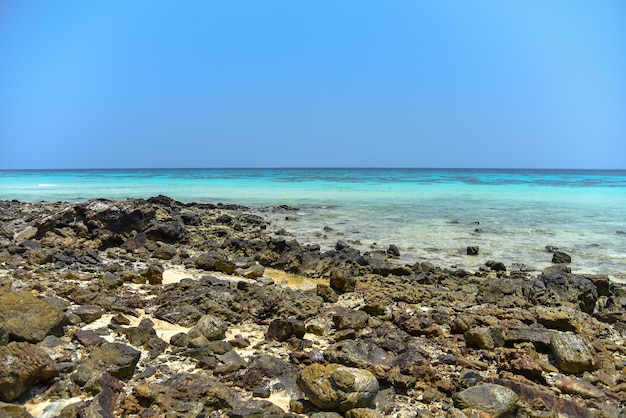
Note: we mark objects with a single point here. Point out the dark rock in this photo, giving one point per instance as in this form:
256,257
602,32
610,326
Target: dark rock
495,400
571,288
342,281
560,257
23,366
538,336
117,359
105,402
401,270
88,338
327,293
393,251
88,313
497,266
571,353
111,280
140,334
28,318
341,245
350,320
164,252
335,387
154,273
283,329
473,250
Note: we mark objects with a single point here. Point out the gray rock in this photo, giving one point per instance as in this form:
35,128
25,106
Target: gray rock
335,387
356,354
28,318
117,359
495,400
23,366
571,353
254,271
212,327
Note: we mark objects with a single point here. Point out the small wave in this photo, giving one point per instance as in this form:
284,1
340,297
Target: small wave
47,185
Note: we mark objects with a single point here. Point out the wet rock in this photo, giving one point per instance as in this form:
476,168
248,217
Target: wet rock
495,400
559,257
210,326
335,387
571,353
473,250
23,366
117,359
28,318
393,251
283,329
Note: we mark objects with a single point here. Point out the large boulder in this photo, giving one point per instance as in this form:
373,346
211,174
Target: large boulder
23,366
117,359
28,318
335,387
570,288
494,400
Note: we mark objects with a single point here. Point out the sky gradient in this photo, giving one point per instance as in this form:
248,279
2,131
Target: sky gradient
155,84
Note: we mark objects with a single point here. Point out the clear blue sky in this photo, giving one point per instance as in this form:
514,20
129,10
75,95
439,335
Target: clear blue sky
120,84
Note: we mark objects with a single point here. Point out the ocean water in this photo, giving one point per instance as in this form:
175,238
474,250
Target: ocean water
430,214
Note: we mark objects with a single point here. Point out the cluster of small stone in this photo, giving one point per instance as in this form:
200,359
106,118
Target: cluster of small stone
373,338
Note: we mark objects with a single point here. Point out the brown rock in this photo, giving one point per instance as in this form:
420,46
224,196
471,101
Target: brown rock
28,318
23,366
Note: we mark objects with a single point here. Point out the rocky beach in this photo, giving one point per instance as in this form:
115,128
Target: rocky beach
158,308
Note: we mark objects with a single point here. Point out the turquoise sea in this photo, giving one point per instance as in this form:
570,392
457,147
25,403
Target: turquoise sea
430,214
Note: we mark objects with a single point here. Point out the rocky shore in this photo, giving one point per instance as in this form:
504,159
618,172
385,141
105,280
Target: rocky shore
156,308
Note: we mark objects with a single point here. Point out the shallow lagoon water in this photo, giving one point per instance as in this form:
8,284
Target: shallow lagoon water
430,214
